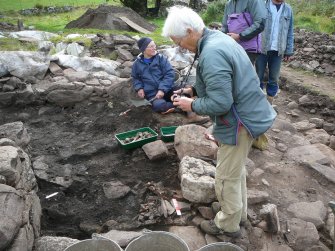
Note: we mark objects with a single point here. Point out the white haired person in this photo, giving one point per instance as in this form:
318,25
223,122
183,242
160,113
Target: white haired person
226,89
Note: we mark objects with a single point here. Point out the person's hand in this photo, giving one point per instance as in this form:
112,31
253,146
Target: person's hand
186,90
140,93
159,94
287,58
183,103
235,36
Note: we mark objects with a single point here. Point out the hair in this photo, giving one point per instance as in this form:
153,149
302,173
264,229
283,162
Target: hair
179,19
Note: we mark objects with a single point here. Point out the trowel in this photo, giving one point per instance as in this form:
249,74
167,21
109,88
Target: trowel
141,102
138,103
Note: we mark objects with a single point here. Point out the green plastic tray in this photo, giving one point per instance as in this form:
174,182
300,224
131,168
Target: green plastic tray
122,136
168,133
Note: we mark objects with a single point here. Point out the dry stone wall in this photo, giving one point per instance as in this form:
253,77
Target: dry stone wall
314,52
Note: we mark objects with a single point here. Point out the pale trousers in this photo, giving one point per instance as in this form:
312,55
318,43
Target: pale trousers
230,182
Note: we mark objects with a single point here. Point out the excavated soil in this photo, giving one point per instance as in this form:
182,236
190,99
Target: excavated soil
78,142
106,17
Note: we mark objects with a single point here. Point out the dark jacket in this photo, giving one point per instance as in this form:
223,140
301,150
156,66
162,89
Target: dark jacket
159,75
228,89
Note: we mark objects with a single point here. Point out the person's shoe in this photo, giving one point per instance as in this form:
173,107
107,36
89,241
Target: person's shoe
209,227
215,207
168,111
192,117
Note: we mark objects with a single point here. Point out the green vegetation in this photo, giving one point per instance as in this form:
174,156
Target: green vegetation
12,44
10,5
314,15
214,12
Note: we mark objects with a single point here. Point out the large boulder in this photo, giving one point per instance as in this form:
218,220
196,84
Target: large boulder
12,207
197,180
24,64
190,141
90,64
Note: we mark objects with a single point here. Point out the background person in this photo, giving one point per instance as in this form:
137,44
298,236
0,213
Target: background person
227,89
277,44
244,20
153,76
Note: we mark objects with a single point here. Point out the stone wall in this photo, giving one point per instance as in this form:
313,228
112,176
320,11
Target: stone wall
314,52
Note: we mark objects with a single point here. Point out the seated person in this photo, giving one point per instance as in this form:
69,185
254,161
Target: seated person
153,76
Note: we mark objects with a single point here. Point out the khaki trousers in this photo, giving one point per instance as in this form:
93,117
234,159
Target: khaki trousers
230,182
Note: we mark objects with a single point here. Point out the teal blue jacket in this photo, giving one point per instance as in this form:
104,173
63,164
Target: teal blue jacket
228,90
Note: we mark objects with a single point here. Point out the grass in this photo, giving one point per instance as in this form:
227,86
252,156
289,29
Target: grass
12,44
15,5
315,23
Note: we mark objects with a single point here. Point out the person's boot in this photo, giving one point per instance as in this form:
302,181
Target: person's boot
209,227
192,117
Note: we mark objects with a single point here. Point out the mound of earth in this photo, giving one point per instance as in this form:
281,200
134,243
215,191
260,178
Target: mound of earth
108,18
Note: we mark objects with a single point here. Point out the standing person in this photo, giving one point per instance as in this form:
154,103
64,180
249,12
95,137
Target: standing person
244,20
227,89
277,44
153,76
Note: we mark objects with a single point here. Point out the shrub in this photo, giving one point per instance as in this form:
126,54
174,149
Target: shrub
214,11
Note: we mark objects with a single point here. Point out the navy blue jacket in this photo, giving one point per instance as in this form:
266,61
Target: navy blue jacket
158,75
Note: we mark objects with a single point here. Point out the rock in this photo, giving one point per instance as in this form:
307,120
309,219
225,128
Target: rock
122,39
89,64
55,69
302,234
330,224
255,196
283,125
206,212
304,126
12,211
16,63
75,49
257,173
197,180
317,121
124,54
292,105
155,150
326,172
37,35
281,147
190,141
193,237
9,157
329,127
314,212
314,64
318,136
16,132
69,97
332,142
305,154
305,100
79,76
115,189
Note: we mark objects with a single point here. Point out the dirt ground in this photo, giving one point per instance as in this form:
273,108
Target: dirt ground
79,142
